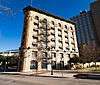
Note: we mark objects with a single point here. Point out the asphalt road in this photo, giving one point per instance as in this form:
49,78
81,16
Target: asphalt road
31,80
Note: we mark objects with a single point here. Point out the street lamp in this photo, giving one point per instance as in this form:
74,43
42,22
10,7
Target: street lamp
51,66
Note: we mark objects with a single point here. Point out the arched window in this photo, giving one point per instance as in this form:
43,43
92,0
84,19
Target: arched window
52,22
36,17
66,26
44,20
71,28
59,24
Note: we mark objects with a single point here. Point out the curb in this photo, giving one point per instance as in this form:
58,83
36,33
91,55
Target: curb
36,75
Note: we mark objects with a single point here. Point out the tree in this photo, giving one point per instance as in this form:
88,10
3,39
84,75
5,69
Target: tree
88,53
8,61
74,59
42,43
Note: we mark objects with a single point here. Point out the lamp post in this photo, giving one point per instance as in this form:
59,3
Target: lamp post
4,64
51,67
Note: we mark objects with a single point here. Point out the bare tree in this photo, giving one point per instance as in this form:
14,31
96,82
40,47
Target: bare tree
42,42
89,53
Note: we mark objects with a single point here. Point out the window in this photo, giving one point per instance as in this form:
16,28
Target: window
52,28
65,31
72,33
66,26
53,55
59,30
60,41
66,36
33,44
59,35
71,28
52,22
61,55
60,47
52,47
45,20
53,40
36,23
66,42
36,17
35,37
67,48
52,33
73,49
36,30
59,24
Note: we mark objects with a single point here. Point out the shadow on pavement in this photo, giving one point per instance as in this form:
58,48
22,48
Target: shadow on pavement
87,76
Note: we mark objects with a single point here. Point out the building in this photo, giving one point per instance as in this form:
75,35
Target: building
56,35
95,9
84,28
10,53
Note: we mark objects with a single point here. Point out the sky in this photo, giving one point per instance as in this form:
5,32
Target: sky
11,22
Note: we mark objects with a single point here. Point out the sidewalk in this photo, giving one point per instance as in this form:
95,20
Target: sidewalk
56,74
42,74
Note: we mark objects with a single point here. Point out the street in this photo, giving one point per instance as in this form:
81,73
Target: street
32,80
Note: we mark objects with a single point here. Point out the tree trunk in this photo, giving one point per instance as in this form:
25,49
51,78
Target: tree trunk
83,65
95,66
89,65
39,66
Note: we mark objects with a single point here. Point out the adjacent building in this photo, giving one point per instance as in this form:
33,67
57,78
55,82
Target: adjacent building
55,36
10,53
84,28
95,9
88,26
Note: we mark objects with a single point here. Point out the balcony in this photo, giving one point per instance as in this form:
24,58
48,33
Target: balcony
35,41
34,44
59,30
60,47
52,33
67,48
65,31
73,43
36,27
60,41
53,39
59,35
42,25
41,33
66,42
73,49
66,36
35,37
60,44
72,37
35,30
35,34
51,25
36,21
52,47
52,28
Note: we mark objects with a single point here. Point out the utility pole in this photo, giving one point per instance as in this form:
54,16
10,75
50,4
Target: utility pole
30,2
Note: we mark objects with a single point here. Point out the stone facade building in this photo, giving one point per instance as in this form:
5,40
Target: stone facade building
55,35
